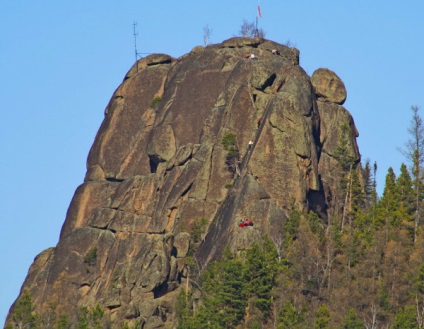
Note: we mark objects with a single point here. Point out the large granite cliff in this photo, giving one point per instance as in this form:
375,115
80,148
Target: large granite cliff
158,165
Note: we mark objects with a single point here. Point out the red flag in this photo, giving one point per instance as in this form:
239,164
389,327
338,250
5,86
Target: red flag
259,11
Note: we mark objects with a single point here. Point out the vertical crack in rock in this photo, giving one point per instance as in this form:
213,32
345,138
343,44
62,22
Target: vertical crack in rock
157,167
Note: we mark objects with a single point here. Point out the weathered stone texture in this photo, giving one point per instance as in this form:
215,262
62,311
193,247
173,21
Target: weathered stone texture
157,166
328,86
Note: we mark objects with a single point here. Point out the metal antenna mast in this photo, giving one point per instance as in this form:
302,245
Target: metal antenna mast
135,33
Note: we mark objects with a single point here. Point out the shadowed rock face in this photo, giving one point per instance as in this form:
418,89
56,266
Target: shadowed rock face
158,165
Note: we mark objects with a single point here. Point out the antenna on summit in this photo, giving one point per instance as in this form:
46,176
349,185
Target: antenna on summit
135,33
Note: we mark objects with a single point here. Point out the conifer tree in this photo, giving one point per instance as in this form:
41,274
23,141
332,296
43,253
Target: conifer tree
389,201
406,206
260,278
420,280
230,144
23,313
291,227
322,317
347,164
231,294
183,309
352,321
356,198
370,185
226,288
414,152
405,318
290,318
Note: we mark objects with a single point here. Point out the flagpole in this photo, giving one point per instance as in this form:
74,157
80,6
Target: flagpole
259,14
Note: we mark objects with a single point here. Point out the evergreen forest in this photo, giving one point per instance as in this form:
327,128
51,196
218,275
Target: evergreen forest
364,268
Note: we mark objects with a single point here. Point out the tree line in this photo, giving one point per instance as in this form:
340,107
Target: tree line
362,269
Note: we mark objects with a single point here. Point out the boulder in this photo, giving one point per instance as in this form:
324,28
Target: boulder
328,86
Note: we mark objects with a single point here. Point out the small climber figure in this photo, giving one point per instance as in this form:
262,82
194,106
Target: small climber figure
259,122
252,56
275,52
247,55
250,145
248,222
240,223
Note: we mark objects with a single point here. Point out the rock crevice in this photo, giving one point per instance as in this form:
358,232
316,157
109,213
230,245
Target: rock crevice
158,193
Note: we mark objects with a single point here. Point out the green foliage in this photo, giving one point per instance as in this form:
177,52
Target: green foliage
352,321
23,315
369,182
357,196
260,272
231,296
225,303
322,317
291,227
155,102
197,229
387,208
371,269
366,272
420,280
406,318
91,256
63,322
229,142
183,309
383,298
316,224
90,318
290,318
134,325
342,154
231,285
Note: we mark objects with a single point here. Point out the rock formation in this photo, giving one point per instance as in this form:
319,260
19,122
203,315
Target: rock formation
158,168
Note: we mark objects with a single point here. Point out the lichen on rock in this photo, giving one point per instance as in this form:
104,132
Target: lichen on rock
155,170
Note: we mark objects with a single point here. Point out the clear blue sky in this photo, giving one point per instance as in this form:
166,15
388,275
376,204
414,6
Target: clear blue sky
62,60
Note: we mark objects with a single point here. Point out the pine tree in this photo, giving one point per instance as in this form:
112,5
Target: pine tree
291,227
231,294
368,183
419,281
260,273
230,144
352,321
23,315
405,318
290,318
256,277
356,199
406,206
225,286
388,204
414,152
322,317
341,153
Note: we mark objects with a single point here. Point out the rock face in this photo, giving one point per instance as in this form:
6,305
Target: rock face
157,170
